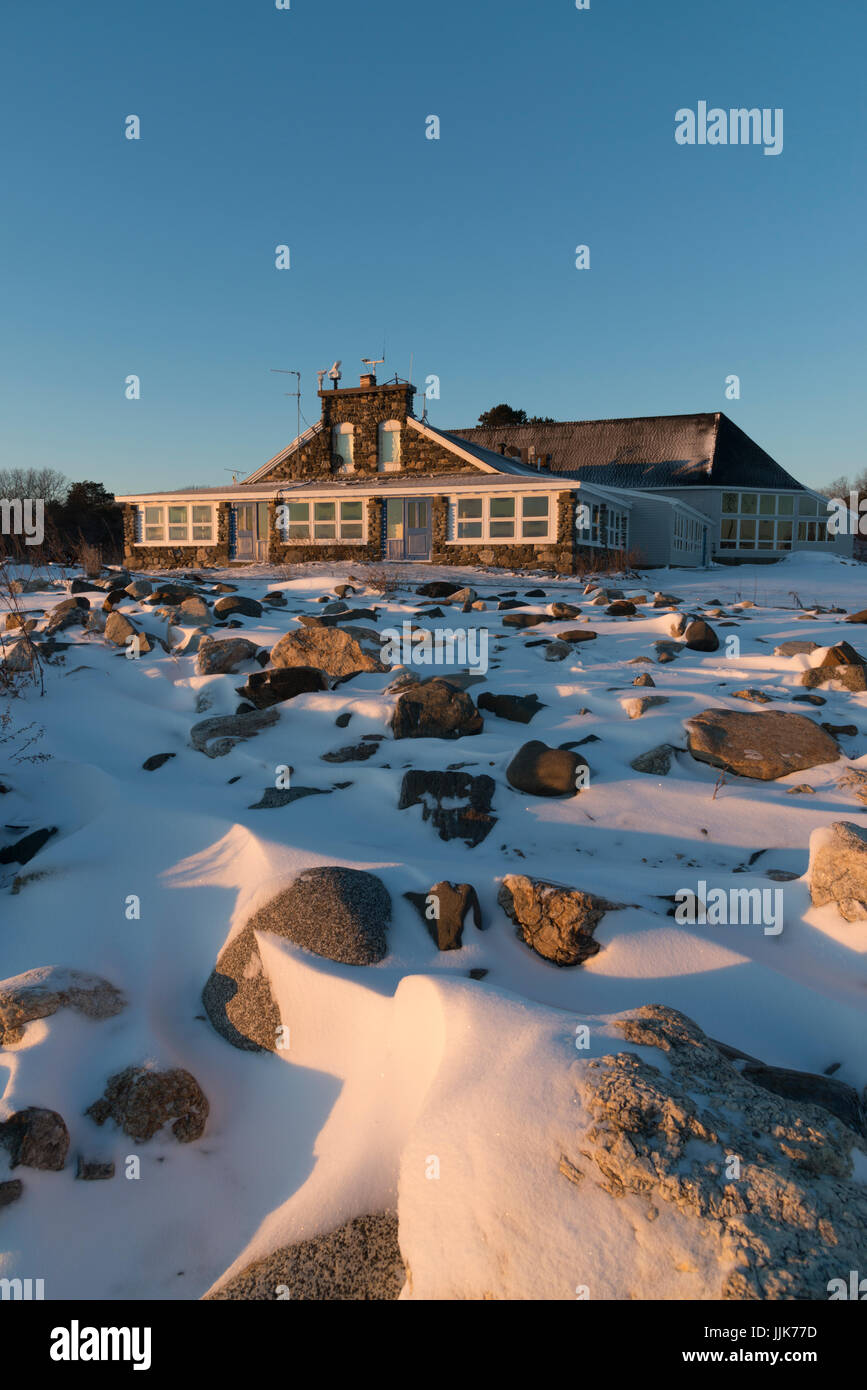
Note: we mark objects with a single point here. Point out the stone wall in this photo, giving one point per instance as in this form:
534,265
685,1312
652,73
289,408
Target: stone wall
558,556
295,553
173,557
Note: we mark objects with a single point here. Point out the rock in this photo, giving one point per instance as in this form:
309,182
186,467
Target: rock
758,697
41,992
27,847
565,610
437,588
339,913
120,631
470,822
841,730
93,1170
699,636
543,771
332,650
661,600
636,708
518,708
36,1138
842,655
838,868
337,606
795,648
156,760
525,619
463,596
71,613
557,651
193,612
273,687
662,1131
141,1099
274,797
808,1087
535,593
510,603
139,588
169,593
556,921
620,608
113,598
359,1261
859,617
852,678
352,753
761,746
10,1192
451,902
645,678
809,700
656,761
217,736
341,590
20,657
218,656
435,709
237,604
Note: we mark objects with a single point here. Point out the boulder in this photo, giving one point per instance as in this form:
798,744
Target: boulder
557,651
266,688
36,1138
156,761
656,762
141,1099
518,708
450,903
636,707
120,631
10,1192
25,849
238,605
217,736
840,663
576,634
699,636
469,822
620,608
543,771
41,992
435,709
645,678
437,588
838,868
761,746
333,650
139,588
339,913
359,1261
795,648
217,657
525,619
463,596
565,610
555,921
169,593
859,617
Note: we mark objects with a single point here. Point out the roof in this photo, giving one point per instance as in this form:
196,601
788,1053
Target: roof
650,451
371,483
490,460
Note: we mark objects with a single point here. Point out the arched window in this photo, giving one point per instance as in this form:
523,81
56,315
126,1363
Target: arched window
388,446
342,447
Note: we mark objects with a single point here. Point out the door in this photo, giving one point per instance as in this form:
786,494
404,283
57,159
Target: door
408,528
251,531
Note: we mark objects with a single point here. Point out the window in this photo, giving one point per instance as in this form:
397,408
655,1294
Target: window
179,523
388,446
812,530
602,525
330,521
342,447
501,518
688,532
755,520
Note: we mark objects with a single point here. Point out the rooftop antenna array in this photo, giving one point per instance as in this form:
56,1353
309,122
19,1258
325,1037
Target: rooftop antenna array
282,371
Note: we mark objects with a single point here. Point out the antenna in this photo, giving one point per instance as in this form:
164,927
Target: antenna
373,362
234,473
282,371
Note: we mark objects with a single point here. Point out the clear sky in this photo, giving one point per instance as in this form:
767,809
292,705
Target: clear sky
306,127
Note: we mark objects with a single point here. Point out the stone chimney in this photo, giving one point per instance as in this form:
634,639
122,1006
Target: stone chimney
368,380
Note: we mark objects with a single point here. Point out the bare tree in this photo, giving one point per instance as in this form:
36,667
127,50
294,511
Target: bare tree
45,484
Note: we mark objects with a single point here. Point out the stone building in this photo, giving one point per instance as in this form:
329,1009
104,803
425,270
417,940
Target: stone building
370,481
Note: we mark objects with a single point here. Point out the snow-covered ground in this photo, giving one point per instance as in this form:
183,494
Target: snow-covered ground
392,1063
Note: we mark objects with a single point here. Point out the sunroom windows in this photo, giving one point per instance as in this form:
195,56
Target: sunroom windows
767,520
502,518
179,523
325,521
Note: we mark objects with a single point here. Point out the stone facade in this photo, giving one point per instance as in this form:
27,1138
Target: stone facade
176,557
559,556
279,552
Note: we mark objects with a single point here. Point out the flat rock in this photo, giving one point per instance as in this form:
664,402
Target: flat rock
761,746
41,992
217,736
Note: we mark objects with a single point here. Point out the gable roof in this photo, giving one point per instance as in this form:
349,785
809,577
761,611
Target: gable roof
284,454
488,460
650,451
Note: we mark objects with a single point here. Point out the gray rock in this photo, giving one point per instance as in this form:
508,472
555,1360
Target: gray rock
36,1138
93,1169
835,1096
155,761
274,797
10,1192
656,761
217,736
333,650
636,707
838,868
40,993
140,1100
360,1261
520,709
217,657
565,610
435,709
761,746
471,822
237,604
266,688
699,636
795,648
139,588
557,651
556,921
543,771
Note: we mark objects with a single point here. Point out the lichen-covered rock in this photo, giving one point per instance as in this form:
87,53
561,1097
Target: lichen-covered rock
838,868
217,736
360,1260
556,921
217,657
330,649
435,709
36,1138
762,746
656,761
141,1100
40,993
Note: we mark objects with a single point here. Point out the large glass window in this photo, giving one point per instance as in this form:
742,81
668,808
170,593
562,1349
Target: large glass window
502,521
469,518
534,516
329,521
501,518
154,524
755,520
203,524
178,523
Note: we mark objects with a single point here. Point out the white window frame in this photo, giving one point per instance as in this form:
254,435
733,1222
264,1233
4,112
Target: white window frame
486,520
755,521
336,519
392,429
166,527
614,535
345,430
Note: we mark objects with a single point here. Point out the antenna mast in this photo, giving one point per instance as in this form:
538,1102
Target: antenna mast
282,371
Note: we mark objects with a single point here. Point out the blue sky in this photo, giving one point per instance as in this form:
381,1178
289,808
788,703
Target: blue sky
306,127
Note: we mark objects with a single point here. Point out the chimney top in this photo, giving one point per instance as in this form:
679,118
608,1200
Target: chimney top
368,379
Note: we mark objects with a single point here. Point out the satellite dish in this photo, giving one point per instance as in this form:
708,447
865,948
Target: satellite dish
334,374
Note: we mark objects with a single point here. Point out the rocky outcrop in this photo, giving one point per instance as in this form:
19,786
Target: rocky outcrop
360,1260
142,1099
762,746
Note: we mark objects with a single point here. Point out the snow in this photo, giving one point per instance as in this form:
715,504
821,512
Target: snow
391,1065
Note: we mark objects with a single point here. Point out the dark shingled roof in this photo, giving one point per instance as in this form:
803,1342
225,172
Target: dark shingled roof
651,451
